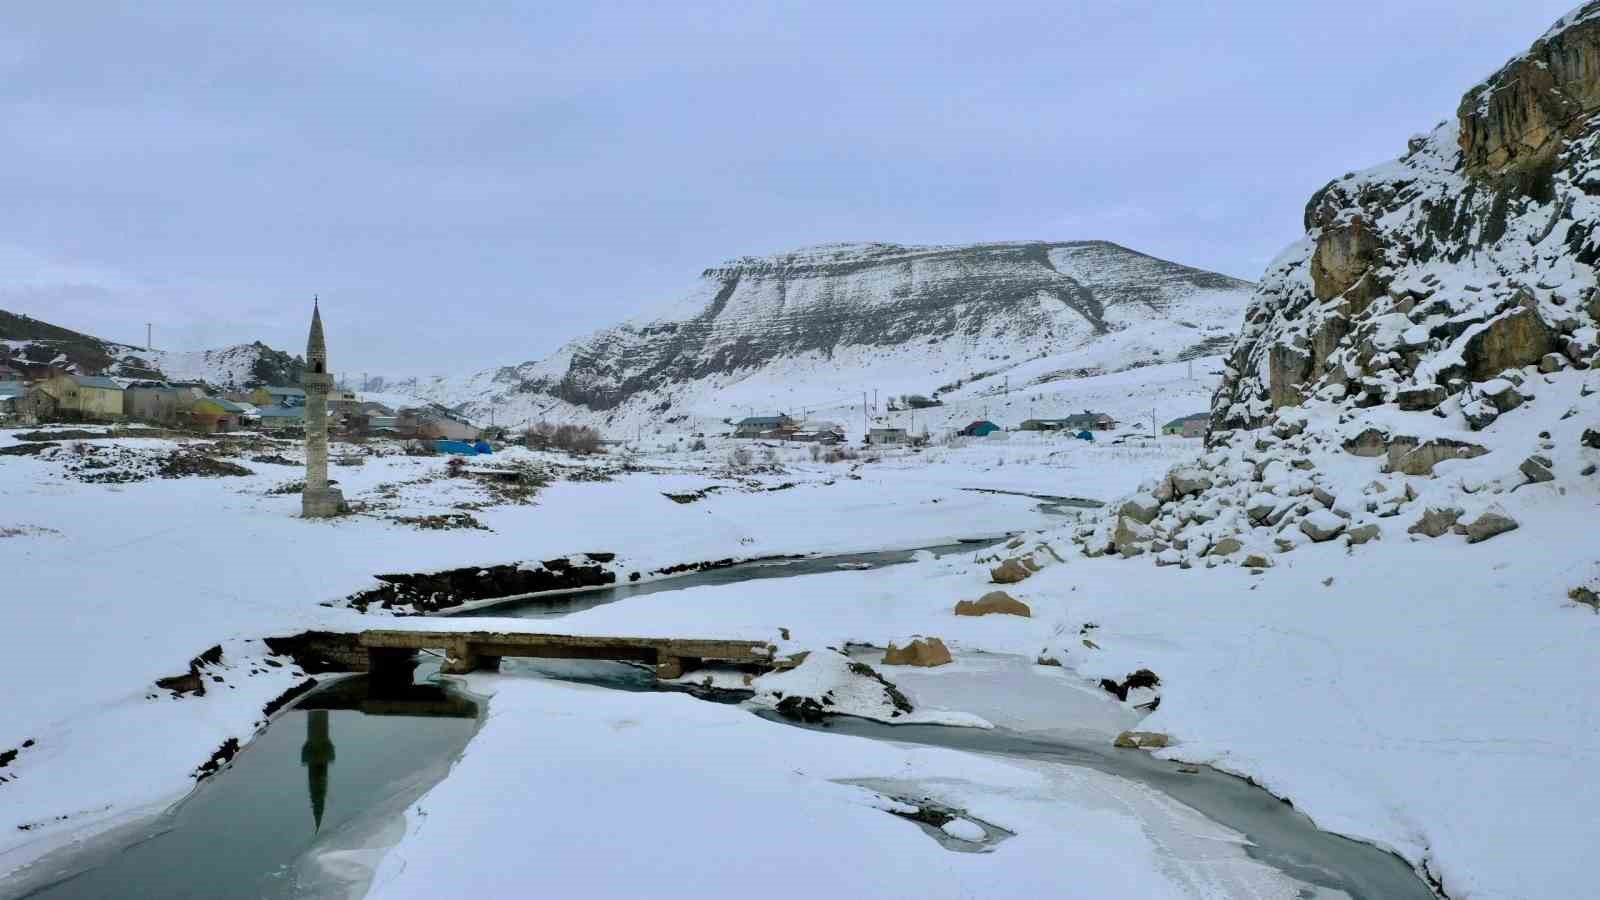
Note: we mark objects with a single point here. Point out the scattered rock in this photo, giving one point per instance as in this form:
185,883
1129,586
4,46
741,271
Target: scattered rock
1322,525
1225,547
1537,468
1010,571
1186,482
1421,460
1486,526
1362,533
923,651
1142,740
1552,362
1591,438
1435,522
994,603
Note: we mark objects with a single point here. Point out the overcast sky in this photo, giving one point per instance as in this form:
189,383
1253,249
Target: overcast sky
471,184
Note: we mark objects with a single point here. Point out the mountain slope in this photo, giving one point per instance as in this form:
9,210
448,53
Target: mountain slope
28,343
816,327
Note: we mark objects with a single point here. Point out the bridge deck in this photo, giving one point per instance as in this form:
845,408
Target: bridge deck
468,651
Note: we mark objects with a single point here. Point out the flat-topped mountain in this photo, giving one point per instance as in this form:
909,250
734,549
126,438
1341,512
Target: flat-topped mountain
842,317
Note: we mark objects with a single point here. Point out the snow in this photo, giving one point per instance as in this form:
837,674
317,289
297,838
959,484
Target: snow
707,800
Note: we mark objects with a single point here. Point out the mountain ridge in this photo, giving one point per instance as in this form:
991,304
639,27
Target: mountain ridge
855,306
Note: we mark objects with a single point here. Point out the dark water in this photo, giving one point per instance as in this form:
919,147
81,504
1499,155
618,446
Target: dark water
552,607
325,766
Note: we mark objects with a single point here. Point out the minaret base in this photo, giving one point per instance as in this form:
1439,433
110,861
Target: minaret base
322,504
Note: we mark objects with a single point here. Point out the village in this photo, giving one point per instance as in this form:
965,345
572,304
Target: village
33,395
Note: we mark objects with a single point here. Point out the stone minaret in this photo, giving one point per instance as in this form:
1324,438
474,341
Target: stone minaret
317,499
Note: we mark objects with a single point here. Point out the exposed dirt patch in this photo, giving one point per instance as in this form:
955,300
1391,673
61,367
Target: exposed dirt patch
27,449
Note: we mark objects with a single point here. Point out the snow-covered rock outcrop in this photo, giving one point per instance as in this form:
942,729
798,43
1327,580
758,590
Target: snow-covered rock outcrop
1423,352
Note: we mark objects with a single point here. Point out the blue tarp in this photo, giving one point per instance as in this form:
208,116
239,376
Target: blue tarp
483,448
1085,436
458,448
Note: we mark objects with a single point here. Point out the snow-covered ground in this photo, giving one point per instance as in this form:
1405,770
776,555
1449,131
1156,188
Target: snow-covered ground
658,794
113,585
1446,718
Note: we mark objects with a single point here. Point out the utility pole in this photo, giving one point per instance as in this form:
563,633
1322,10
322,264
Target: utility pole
875,406
147,329
866,419
1152,422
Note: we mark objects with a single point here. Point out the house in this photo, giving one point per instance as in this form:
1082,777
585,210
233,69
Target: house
764,426
435,423
887,437
377,424
158,402
88,397
32,407
1045,425
816,432
980,428
1191,426
11,394
282,418
1090,421
278,396
213,414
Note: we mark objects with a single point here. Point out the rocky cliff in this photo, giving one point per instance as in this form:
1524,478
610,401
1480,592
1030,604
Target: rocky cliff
847,306
1439,309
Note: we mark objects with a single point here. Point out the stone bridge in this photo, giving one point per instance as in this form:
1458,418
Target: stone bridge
471,651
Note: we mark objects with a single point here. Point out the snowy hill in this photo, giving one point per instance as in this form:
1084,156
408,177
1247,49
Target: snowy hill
28,343
810,331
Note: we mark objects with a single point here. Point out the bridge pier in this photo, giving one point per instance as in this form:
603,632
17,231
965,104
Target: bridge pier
460,659
668,667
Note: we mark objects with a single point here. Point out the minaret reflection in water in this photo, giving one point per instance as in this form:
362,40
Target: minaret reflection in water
317,754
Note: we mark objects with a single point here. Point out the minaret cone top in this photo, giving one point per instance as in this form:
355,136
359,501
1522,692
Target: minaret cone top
316,347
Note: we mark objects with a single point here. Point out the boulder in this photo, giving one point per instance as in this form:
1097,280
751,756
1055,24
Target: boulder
1226,546
1260,506
1435,521
1421,460
1323,497
1186,482
1370,442
1142,508
1511,340
1010,571
1257,561
1418,399
1486,526
1128,538
1322,525
1503,393
1552,362
1362,533
923,651
1479,413
1537,468
1591,438
994,603
1142,740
